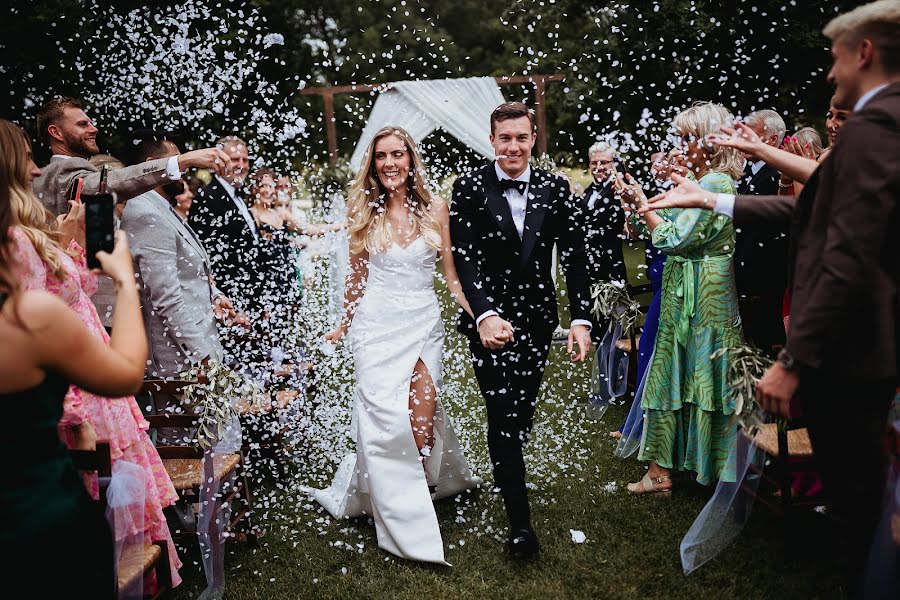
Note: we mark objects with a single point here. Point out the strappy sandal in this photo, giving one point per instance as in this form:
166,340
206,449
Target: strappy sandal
647,485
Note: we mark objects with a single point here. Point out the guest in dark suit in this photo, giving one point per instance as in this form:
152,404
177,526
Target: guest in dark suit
506,217
603,223
842,355
222,219
760,256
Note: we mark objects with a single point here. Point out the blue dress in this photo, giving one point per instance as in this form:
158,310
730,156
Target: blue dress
633,425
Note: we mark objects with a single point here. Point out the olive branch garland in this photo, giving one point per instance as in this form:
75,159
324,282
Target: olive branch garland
746,365
612,302
213,395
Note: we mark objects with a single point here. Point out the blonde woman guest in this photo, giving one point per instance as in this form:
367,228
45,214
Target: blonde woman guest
40,264
407,452
685,396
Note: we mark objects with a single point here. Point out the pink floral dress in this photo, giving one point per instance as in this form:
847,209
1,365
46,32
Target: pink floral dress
118,420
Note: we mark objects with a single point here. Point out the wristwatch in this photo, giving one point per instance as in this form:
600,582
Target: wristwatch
786,360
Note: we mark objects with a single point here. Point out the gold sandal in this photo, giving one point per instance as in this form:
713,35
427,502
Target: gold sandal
647,485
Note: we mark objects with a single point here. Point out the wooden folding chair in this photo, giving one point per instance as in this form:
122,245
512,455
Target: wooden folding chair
136,563
788,451
184,465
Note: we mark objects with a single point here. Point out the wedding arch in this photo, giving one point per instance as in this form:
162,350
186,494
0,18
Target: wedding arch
460,107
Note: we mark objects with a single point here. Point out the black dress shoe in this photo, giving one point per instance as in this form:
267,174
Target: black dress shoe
523,544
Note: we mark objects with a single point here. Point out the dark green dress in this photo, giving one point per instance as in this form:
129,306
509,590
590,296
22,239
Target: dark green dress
57,539
688,410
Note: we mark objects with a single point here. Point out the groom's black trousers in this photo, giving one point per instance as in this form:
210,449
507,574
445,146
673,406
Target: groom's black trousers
509,380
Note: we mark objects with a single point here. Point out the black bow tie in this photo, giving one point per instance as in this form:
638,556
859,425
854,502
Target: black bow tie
513,184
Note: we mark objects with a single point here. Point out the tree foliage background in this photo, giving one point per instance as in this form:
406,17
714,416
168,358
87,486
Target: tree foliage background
197,68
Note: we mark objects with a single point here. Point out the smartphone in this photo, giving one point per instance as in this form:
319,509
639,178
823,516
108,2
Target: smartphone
99,229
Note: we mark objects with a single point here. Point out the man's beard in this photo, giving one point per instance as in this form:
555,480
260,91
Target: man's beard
81,148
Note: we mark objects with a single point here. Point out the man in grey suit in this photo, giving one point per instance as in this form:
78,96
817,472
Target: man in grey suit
72,137
179,301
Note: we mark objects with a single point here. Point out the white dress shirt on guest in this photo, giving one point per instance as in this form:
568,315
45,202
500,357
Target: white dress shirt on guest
241,205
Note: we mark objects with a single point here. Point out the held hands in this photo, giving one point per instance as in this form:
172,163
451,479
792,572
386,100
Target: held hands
119,265
686,194
495,332
776,389
580,335
213,159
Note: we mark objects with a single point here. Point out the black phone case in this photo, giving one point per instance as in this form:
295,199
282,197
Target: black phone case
99,229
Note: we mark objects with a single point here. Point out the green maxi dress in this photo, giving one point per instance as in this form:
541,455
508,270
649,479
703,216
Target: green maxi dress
685,397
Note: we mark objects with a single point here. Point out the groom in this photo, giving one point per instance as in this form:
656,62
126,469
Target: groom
505,219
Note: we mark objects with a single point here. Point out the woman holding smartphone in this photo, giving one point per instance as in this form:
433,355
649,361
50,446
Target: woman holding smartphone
60,540
38,263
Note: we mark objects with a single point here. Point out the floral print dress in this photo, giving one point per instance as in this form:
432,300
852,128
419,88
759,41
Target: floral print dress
117,420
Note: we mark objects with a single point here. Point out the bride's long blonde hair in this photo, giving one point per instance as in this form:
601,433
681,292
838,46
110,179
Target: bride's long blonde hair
369,227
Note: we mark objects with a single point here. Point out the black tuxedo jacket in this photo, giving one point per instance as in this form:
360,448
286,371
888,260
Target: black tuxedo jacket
228,240
760,267
512,276
844,252
603,227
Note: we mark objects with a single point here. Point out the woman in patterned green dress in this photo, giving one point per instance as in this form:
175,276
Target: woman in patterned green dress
685,399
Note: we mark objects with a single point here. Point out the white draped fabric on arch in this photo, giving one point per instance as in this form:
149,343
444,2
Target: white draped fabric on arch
461,107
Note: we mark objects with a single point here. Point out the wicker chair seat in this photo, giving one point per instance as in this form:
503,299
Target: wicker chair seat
185,473
799,445
134,563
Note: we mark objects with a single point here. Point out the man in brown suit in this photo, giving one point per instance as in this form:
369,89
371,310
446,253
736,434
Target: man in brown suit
72,137
841,358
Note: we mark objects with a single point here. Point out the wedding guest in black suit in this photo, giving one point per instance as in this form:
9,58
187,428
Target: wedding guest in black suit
603,223
842,355
760,256
220,216
506,217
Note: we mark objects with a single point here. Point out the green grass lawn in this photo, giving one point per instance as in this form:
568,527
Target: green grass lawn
632,542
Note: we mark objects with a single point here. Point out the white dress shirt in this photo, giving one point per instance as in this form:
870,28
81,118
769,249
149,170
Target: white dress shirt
518,202
172,169
241,205
518,206
756,166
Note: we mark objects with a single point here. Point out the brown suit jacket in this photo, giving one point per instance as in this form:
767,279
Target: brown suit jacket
52,187
844,254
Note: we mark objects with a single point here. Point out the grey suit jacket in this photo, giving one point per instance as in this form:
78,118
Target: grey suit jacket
176,293
52,187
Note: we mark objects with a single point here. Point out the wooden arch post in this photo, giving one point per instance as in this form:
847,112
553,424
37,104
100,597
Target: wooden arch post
329,92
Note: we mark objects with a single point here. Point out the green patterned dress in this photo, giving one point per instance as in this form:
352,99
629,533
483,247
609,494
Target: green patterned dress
685,398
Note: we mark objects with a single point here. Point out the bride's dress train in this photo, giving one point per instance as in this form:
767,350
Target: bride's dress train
397,323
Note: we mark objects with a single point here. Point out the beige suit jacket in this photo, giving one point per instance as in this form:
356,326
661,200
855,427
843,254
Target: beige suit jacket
52,187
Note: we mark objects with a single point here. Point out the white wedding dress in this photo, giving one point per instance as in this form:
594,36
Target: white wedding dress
397,322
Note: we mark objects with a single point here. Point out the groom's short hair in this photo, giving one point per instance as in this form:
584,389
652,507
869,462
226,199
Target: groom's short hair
512,110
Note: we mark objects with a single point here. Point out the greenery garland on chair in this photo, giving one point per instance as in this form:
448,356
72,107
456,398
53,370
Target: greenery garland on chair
746,365
213,395
613,303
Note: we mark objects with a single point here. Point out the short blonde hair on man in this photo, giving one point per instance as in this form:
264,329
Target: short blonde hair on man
878,21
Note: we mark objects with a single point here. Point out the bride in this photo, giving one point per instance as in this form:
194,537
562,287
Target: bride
407,454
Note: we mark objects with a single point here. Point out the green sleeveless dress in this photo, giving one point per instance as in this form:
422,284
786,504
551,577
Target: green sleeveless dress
688,411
